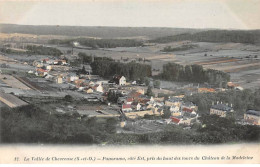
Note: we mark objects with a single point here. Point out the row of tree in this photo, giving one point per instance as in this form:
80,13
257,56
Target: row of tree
42,50
180,48
99,43
237,36
193,73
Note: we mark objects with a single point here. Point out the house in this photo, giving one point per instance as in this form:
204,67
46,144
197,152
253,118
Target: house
232,85
174,101
46,61
206,90
137,106
122,81
175,110
129,101
126,108
72,77
90,83
41,72
252,117
190,105
59,80
134,94
98,88
119,80
89,90
221,109
175,120
48,67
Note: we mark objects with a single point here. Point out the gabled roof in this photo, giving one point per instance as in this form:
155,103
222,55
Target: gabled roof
221,107
253,112
185,109
129,100
175,120
174,99
126,106
41,70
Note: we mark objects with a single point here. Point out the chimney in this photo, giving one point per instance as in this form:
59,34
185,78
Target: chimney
221,102
231,105
217,102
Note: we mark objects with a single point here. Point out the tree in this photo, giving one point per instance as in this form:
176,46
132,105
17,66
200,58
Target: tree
166,113
111,125
83,70
68,98
149,91
147,81
157,84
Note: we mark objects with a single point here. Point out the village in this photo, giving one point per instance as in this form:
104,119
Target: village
140,108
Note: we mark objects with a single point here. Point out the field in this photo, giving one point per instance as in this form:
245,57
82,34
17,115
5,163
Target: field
240,60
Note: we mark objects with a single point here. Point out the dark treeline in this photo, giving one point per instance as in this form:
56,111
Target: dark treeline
99,43
30,124
193,73
237,36
132,70
34,50
42,50
241,100
88,59
180,48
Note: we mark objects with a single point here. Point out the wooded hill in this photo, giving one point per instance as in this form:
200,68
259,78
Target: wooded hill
236,36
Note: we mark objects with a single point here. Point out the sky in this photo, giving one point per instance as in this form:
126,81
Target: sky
223,14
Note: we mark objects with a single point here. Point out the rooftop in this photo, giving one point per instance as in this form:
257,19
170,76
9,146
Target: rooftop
253,112
222,107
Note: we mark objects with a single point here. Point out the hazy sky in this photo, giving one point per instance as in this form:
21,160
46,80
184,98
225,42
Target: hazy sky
228,14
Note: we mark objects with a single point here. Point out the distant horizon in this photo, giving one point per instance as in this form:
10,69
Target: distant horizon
129,27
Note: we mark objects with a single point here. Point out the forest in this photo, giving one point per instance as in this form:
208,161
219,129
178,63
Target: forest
193,73
237,36
99,43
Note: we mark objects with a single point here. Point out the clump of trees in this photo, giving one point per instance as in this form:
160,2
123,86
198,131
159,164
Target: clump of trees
132,70
42,50
87,59
193,73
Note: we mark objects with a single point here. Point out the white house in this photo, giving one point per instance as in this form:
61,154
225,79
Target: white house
122,81
73,77
126,108
99,88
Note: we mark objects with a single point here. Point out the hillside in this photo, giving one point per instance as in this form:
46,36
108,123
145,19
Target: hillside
236,36
99,32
